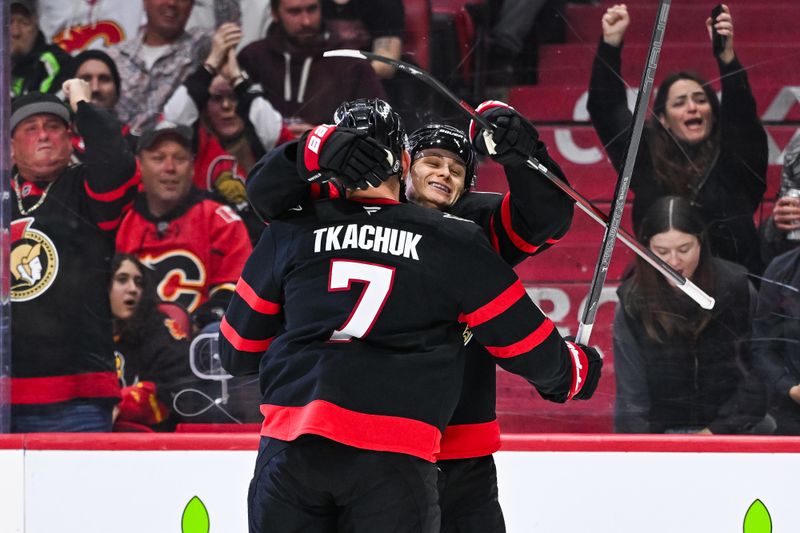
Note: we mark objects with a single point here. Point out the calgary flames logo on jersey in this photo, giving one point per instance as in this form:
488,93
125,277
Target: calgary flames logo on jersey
78,37
33,261
181,277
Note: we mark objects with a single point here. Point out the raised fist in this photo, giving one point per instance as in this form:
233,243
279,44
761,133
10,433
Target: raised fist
615,21
514,139
358,160
75,91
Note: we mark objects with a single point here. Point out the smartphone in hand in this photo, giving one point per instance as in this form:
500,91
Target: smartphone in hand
717,41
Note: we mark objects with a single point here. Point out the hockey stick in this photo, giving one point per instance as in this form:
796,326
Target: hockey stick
624,179
693,291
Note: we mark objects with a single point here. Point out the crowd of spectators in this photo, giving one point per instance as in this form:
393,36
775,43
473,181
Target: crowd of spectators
143,147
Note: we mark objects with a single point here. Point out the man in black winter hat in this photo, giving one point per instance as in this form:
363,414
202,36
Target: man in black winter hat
96,68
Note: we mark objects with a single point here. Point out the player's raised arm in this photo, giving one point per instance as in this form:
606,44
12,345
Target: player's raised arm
534,213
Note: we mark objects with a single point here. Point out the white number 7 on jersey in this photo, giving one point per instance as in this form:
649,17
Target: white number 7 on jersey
378,280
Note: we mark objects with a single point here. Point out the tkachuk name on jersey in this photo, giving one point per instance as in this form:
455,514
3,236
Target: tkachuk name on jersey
366,237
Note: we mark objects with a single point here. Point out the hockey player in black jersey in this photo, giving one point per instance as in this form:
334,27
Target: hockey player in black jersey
355,302
527,220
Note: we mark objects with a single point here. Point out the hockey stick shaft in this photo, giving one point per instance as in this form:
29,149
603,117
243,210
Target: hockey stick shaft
695,293
623,182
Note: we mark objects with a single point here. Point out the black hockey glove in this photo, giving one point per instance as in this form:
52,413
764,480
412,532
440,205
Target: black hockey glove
587,365
515,138
358,160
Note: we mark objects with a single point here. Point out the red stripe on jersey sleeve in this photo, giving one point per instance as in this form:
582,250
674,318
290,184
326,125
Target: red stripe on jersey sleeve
361,430
505,217
506,299
314,191
54,389
239,342
256,303
464,441
115,194
525,345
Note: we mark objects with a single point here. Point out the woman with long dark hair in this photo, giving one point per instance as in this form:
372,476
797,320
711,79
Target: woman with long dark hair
152,349
713,153
680,368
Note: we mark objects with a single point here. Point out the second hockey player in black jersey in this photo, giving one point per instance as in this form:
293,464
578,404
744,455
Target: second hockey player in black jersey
356,304
525,221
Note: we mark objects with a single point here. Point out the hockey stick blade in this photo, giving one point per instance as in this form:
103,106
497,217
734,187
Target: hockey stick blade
695,293
690,289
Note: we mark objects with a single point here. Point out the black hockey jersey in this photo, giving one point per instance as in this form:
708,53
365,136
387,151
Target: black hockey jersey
525,221
61,340
357,307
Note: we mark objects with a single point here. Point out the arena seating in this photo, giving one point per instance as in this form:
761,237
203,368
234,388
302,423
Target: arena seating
559,279
417,38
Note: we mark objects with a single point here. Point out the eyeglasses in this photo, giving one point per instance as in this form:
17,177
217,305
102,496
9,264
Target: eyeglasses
220,98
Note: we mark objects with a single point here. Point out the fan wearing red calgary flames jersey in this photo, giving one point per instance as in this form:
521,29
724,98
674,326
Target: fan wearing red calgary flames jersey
375,366
62,237
527,220
196,246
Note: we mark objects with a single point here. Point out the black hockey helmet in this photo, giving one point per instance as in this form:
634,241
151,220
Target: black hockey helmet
379,120
447,138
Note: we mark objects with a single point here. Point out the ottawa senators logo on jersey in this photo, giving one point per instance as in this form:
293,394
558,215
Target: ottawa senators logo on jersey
33,261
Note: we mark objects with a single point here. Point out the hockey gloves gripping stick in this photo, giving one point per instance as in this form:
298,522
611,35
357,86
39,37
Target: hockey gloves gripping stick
514,139
358,160
586,367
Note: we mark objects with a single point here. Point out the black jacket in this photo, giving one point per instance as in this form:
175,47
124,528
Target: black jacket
299,82
732,189
40,70
686,384
776,334
159,352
